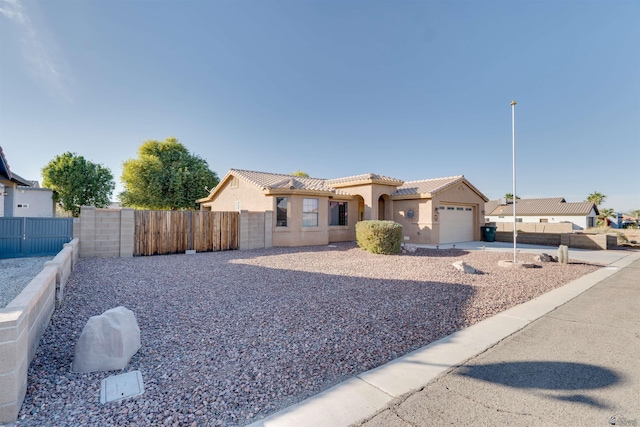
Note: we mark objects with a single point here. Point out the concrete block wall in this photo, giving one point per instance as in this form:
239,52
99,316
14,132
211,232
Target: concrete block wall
534,227
572,240
22,324
64,263
256,230
106,232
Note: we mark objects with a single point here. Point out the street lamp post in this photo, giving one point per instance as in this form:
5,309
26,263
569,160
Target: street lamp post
513,146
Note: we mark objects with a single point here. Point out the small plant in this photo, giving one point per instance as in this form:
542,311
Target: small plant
622,239
563,254
379,237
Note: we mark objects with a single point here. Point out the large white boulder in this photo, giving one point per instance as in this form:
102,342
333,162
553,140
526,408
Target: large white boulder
107,342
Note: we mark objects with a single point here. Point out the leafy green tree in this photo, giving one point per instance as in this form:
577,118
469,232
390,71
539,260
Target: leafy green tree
597,198
300,173
165,176
509,196
77,182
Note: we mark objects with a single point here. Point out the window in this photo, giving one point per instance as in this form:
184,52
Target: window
591,222
468,209
338,212
309,212
518,219
23,205
544,220
281,211
459,209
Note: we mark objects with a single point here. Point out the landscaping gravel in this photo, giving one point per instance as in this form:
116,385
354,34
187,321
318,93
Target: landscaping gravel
231,337
15,275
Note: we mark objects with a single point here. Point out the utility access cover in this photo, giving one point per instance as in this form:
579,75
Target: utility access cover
120,387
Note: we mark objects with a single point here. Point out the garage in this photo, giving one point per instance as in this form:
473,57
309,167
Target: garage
456,224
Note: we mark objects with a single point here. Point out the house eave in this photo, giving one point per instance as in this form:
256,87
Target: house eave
412,196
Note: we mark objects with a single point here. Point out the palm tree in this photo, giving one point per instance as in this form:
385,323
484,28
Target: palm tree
509,196
604,214
597,198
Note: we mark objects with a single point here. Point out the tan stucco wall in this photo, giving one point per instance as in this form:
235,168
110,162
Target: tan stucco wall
371,193
250,198
345,233
419,229
294,234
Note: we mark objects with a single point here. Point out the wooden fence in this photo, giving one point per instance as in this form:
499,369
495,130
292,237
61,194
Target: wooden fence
170,232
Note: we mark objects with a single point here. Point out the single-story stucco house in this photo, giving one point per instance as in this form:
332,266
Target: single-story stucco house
550,210
20,197
314,211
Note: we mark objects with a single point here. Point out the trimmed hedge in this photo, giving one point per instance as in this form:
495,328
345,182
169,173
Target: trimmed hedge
379,237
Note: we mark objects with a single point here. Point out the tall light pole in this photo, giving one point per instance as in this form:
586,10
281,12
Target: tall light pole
513,146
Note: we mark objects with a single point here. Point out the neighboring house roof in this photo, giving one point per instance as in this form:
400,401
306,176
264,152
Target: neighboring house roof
271,183
431,187
549,206
5,172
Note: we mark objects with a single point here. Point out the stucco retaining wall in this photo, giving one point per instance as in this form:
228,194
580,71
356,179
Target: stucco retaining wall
23,322
64,262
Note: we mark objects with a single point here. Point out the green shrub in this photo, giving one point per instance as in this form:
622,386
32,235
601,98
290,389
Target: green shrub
379,237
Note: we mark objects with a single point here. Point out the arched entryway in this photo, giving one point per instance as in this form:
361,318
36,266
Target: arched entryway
384,208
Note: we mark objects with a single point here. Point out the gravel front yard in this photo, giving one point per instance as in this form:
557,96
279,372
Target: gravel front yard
231,337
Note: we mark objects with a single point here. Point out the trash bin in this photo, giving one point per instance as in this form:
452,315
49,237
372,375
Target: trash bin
489,233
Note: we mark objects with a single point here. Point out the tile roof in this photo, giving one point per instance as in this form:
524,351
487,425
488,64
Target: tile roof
269,181
363,177
426,186
266,181
549,206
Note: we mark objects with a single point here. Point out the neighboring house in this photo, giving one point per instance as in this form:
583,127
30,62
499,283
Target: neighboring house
20,197
313,211
551,210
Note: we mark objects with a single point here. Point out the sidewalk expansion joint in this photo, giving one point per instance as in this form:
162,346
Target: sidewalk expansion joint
376,387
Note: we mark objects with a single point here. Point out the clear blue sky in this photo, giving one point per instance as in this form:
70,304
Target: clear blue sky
408,89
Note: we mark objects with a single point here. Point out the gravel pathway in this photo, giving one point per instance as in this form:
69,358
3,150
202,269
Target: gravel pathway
231,337
15,275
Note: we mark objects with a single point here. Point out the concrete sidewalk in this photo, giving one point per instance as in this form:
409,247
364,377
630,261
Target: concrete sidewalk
539,363
577,365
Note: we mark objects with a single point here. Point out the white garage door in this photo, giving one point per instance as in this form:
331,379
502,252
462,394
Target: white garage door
456,224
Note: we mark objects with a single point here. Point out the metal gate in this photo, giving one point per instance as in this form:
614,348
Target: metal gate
30,237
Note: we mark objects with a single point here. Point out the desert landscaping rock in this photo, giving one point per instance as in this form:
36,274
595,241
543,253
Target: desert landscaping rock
544,258
107,341
231,337
465,268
